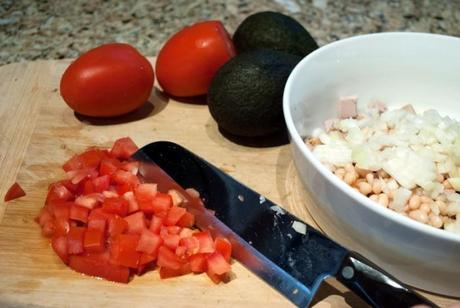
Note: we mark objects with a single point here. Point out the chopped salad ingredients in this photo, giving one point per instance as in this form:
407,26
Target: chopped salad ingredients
104,221
14,192
404,161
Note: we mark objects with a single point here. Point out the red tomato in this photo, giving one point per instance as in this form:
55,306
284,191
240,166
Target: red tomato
93,265
149,242
14,192
106,81
217,264
189,60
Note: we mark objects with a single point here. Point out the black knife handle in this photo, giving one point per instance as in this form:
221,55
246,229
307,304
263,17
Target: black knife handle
375,286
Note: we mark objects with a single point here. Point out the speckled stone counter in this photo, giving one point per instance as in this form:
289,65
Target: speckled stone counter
55,29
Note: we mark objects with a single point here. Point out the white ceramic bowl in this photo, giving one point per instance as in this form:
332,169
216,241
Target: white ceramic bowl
395,68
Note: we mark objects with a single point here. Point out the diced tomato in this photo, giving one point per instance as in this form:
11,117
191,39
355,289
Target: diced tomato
175,213
59,244
131,166
94,240
123,148
75,240
91,158
88,187
172,229
161,203
166,272
123,250
177,197
101,183
214,277
187,220
149,242
192,244
181,251
89,201
167,258
14,192
155,224
136,222
77,176
198,263
117,206
117,226
186,232
224,247
58,191
146,258
144,194
125,179
217,264
171,240
98,219
79,213
206,242
48,228
43,217
91,266
133,206
109,166
69,185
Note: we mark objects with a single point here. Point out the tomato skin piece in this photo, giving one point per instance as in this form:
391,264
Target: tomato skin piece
59,244
206,241
198,263
175,213
96,84
117,226
123,148
92,265
217,264
187,220
94,240
75,240
189,60
149,242
224,247
161,203
14,192
155,224
116,205
123,250
136,223
167,258
101,183
78,213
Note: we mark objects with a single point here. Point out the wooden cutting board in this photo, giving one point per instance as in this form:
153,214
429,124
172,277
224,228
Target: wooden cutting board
38,132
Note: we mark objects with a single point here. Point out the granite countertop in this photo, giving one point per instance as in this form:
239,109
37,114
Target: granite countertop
57,29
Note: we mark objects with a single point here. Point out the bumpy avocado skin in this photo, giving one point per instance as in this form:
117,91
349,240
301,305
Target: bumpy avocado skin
245,96
273,30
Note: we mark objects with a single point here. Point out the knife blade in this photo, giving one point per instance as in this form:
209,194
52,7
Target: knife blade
288,254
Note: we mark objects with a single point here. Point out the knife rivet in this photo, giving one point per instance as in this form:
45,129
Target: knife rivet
348,272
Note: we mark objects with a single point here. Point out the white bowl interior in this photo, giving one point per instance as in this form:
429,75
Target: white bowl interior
397,69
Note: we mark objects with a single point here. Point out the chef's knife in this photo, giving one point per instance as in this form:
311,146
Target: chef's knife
287,253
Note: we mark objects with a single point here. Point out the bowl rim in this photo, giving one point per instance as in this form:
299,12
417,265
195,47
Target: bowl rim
326,173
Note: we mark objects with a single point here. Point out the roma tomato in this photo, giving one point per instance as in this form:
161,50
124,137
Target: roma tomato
189,60
106,81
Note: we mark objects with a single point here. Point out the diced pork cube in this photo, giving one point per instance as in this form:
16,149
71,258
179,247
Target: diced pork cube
347,107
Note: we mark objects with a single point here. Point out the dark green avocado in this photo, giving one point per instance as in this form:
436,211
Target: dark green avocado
273,30
245,96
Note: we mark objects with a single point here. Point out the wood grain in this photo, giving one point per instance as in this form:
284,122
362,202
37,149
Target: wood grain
39,132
